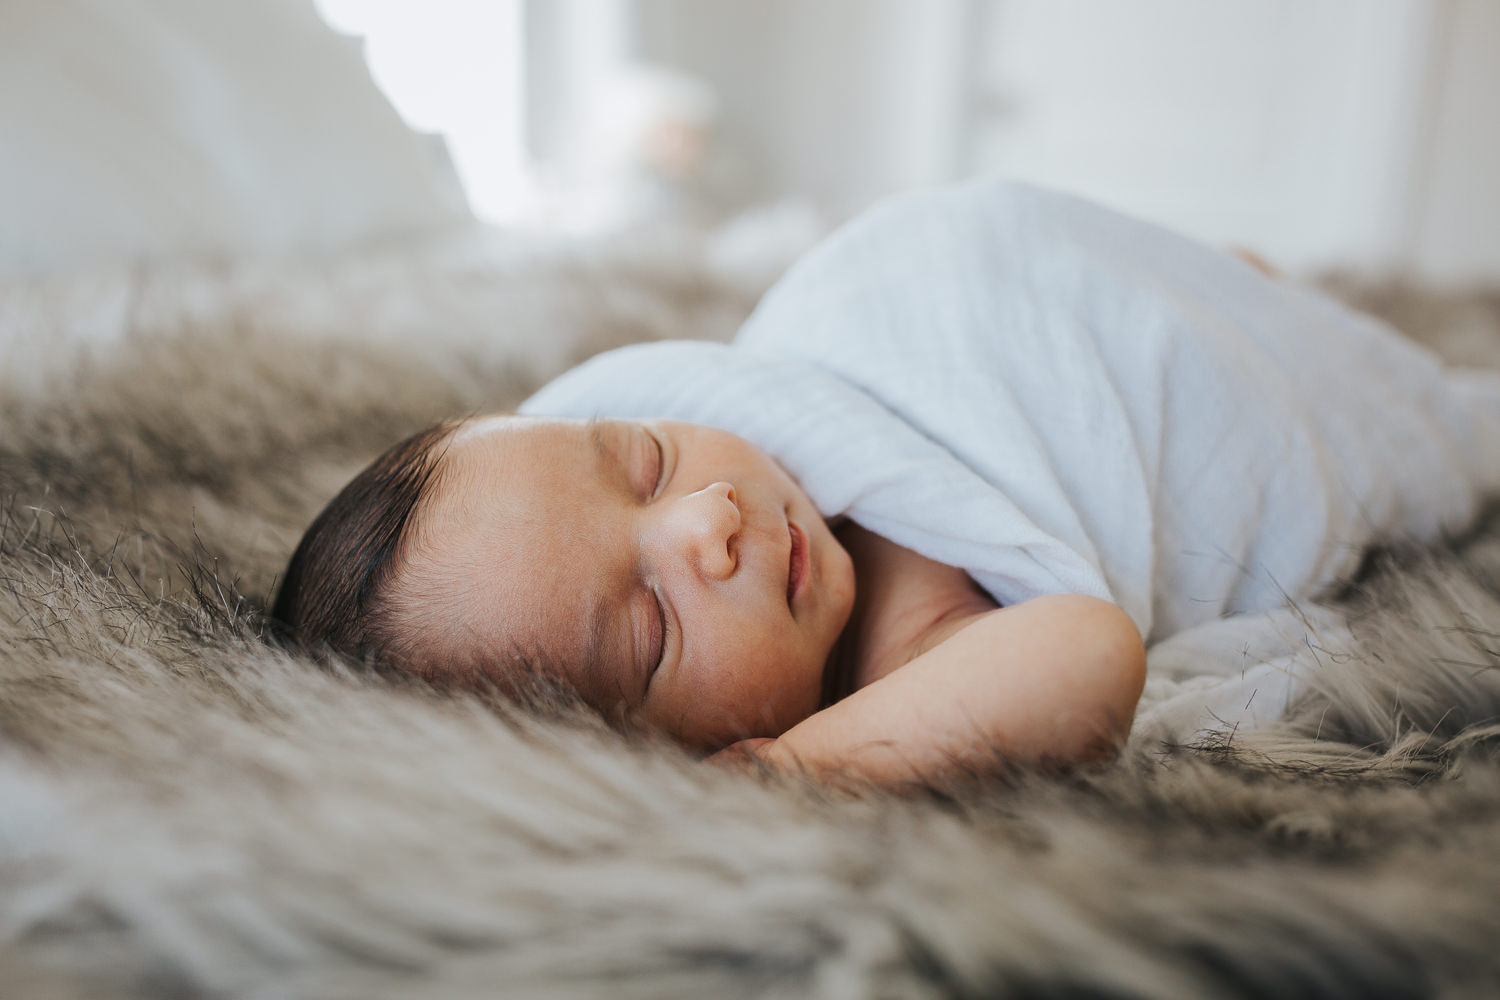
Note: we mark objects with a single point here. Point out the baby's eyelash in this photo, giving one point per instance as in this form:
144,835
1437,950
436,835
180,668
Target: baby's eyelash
661,465
666,635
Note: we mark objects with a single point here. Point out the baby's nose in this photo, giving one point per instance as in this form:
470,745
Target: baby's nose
709,523
725,490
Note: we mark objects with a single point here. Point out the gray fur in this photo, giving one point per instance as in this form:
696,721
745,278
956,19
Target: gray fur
186,812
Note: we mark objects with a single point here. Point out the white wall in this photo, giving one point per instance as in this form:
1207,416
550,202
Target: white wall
1280,124
1325,133
1455,230
836,100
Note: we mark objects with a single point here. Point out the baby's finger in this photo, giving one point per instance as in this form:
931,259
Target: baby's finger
740,755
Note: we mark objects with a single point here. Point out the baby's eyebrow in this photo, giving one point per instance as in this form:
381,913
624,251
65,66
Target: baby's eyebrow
598,431
594,639
599,682
604,438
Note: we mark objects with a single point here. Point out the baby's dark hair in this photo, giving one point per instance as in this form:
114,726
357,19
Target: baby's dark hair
336,593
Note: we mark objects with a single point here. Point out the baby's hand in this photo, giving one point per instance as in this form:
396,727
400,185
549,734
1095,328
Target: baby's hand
741,755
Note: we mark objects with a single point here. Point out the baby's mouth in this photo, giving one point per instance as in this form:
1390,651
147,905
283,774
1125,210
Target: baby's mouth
796,573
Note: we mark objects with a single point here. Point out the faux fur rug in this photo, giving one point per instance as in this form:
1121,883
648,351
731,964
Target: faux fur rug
186,813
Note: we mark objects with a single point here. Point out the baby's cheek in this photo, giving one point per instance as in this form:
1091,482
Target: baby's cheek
681,711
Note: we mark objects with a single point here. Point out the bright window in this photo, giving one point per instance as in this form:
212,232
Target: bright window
454,68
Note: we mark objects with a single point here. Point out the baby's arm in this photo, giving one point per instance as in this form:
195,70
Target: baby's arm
1053,680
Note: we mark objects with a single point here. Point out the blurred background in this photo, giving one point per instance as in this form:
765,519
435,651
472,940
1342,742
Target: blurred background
1354,135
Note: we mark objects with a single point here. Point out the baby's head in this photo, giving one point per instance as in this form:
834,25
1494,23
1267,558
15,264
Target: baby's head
667,572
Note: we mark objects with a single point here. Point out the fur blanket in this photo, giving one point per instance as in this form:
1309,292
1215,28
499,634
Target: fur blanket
186,812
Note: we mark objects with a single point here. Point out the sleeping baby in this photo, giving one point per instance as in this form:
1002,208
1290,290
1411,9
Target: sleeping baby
965,463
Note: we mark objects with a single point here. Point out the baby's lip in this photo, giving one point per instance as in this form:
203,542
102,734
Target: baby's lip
797,562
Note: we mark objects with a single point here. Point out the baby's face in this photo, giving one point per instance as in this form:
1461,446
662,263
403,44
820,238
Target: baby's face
671,571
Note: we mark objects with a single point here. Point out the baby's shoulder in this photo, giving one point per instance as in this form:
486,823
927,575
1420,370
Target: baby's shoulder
906,603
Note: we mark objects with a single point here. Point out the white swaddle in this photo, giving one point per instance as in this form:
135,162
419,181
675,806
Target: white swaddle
1056,398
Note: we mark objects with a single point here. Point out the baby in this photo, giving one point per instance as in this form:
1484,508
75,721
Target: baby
924,515
676,574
